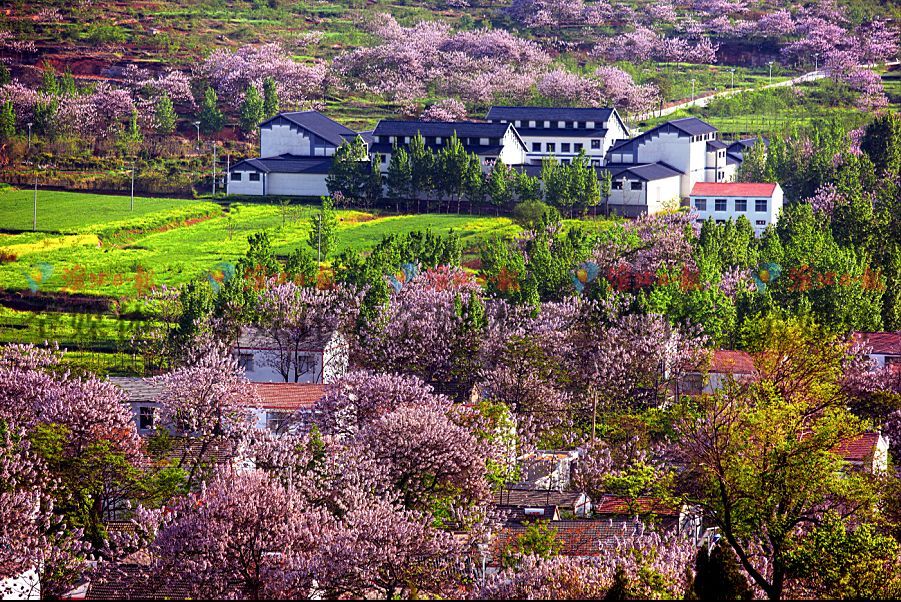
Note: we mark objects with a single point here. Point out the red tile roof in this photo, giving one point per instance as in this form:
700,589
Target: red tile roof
579,537
883,343
858,449
731,362
286,396
750,189
621,506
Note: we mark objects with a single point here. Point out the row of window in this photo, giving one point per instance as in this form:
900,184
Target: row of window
252,176
703,137
551,147
572,125
618,185
741,205
760,222
437,140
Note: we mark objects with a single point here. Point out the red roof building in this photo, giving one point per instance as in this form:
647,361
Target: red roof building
286,396
868,452
733,189
880,343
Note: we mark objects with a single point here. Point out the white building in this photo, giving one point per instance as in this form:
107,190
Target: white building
689,146
490,141
563,132
322,358
295,151
142,396
883,347
760,203
642,189
281,407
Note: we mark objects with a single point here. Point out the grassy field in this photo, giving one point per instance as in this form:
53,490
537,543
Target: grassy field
100,258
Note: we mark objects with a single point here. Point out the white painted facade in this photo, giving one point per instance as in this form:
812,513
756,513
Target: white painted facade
633,197
511,150
761,211
283,138
245,181
323,365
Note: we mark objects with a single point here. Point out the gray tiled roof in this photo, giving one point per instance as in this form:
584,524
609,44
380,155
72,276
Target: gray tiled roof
642,171
463,129
314,121
287,164
549,113
256,338
691,126
138,389
715,145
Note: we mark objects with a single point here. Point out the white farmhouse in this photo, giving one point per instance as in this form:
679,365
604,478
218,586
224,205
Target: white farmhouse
322,358
882,347
563,132
490,141
642,189
283,407
689,146
760,203
295,156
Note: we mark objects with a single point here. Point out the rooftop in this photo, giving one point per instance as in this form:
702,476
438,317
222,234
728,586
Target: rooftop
137,388
620,506
256,338
549,113
314,121
463,129
858,449
287,164
733,189
287,396
882,343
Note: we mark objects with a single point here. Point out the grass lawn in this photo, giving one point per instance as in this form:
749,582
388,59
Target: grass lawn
95,258
72,212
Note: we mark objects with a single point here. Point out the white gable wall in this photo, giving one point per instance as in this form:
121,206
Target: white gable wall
281,139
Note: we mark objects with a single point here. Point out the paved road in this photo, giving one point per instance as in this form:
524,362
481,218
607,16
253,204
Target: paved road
703,101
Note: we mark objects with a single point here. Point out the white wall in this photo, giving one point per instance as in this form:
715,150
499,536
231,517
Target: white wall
328,366
512,153
296,184
278,140
244,186
770,216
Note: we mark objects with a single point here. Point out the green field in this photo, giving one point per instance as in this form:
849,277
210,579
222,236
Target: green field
102,253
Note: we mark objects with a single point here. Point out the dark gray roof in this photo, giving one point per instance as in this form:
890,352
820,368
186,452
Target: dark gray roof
549,114
641,171
319,124
690,125
463,129
563,132
733,159
493,150
366,136
743,145
138,389
520,498
287,164
715,145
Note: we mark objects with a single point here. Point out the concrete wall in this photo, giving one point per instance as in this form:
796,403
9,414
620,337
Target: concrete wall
759,219
653,197
244,186
296,184
280,139
328,365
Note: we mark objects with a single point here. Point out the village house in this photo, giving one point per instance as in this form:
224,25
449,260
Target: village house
568,503
883,347
760,203
295,156
282,407
490,141
717,368
563,132
322,358
638,189
867,452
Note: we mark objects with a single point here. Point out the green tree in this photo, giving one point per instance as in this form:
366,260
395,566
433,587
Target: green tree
606,184
374,185
211,117
165,115
260,260
67,86
5,75
350,170
531,214
49,82
422,161
450,166
270,98
324,229
251,110
498,185
45,117
130,137
400,176
539,539
528,188
301,266
7,120
882,143
585,188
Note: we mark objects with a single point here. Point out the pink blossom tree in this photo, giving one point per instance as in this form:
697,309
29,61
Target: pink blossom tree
448,109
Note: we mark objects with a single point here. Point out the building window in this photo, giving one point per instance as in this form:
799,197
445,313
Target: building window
741,204
383,158
719,205
245,361
236,176
577,147
305,363
760,205
596,162
536,147
550,147
275,421
595,144
254,177
761,222
564,147
617,185
635,185
721,221
701,204
145,418
564,161
531,124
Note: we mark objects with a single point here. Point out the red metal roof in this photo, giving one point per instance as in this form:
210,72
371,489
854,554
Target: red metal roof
286,396
883,343
751,189
858,449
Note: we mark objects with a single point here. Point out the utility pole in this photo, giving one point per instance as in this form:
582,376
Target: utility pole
816,62
34,226
228,168
214,168
319,239
197,125
132,185
692,91
771,72
29,124
732,71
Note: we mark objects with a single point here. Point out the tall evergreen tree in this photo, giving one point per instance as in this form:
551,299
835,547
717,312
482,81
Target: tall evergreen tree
67,86
324,229
211,117
251,110
499,189
7,120
882,142
165,115
270,98
400,175
349,171
49,82
422,160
